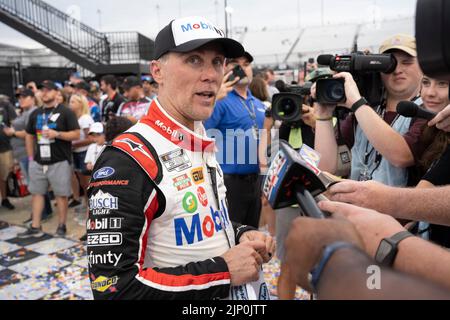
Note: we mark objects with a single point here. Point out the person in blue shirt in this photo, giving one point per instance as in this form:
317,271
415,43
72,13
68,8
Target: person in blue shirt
235,124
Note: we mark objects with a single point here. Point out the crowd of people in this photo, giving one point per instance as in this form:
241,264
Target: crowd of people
55,133
181,188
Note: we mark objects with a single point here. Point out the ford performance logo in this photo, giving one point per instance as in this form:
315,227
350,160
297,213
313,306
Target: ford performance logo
104,173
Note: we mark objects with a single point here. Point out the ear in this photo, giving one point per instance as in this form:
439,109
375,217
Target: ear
155,71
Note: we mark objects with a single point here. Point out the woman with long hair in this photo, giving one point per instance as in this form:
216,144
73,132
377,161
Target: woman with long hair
435,95
80,106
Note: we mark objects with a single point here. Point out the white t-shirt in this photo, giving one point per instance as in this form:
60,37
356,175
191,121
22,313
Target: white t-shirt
84,122
93,152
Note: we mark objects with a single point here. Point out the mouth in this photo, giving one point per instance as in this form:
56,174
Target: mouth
207,94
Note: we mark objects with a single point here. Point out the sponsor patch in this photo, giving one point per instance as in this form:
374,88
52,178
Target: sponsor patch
176,160
103,173
104,239
103,201
109,183
190,203
202,197
104,224
197,175
102,283
182,182
107,258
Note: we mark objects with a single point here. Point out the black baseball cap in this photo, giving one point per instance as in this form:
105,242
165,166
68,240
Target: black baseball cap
83,85
131,82
148,79
47,84
26,93
248,56
188,34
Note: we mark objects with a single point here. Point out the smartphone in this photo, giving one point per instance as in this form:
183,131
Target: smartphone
237,72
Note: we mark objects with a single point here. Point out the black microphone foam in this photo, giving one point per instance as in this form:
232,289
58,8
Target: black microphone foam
411,110
325,59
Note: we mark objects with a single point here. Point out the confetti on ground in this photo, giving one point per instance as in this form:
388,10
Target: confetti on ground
51,245
56,269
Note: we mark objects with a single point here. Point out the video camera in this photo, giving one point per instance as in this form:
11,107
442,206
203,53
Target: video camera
287,106
366,70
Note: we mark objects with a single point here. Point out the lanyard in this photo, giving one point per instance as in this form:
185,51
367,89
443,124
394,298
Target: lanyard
251,111
49,116
379,156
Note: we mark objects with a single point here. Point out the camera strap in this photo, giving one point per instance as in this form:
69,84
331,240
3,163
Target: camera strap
381,111
296,137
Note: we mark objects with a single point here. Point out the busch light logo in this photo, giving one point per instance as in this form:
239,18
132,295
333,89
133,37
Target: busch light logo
103,201
103,173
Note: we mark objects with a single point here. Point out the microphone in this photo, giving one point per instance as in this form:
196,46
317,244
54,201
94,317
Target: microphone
325,59
411,110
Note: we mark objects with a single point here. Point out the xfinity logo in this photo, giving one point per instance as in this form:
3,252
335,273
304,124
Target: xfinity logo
107,258
104,239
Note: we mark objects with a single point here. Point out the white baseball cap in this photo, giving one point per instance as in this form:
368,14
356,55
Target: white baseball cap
190,33
96,127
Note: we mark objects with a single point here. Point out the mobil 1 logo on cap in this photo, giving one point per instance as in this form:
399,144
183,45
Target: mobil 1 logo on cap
194,28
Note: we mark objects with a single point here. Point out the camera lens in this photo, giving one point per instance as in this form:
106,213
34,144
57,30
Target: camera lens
287,107
336,91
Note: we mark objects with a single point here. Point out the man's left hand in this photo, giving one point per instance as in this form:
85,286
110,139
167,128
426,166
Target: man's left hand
371,225
351,89
52,134
260,236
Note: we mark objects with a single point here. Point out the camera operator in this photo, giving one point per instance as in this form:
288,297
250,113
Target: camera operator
297,133
333,263
435,164
384,144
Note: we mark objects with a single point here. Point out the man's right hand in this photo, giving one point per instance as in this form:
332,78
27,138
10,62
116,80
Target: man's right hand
244,262
227,86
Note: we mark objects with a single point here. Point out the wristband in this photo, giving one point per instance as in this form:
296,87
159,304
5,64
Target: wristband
358,104
324,119
316,272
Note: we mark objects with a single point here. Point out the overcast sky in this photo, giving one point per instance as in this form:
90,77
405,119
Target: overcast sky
145,17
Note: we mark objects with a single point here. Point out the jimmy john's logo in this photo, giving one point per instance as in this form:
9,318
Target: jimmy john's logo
176,160
197,175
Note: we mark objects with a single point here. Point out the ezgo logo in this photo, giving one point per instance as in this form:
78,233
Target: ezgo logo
190,203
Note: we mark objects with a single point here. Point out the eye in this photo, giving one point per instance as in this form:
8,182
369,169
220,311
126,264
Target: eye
442,84
218,61
425,82
194,60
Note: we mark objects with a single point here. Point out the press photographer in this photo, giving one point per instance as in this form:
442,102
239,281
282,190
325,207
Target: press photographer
294,112
384,144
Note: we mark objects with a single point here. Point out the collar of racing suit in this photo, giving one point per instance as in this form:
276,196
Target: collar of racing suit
158,119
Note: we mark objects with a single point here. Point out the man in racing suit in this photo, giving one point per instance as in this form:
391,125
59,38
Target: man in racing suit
158,224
